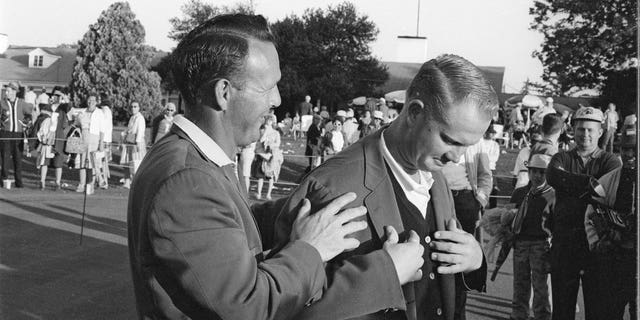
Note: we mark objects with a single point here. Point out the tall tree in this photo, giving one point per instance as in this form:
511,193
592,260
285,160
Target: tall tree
196,12
112,58
584,40
326,53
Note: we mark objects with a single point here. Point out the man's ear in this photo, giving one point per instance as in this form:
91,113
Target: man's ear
415,111
215,94
222,94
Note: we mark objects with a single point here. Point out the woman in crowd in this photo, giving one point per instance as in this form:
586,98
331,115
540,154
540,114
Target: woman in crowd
46,134
247,153
166,122
268,157
134,144
334,139
314,142
91,121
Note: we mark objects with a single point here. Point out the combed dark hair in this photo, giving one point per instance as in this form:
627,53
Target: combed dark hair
450,79
214,50
552,123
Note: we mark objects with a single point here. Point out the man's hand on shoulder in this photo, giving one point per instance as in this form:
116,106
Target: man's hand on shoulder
456,250
327,230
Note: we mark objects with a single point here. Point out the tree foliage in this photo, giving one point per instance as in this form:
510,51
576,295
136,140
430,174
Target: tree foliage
584,40
113,59
195,12
326,53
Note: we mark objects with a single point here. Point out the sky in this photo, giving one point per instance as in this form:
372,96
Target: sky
488,33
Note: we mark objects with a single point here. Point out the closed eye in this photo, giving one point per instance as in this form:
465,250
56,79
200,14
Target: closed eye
450,141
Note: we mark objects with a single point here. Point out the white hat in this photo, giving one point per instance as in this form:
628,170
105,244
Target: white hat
589,114
382,101
350,113
549,99
341,113
540,161
377,114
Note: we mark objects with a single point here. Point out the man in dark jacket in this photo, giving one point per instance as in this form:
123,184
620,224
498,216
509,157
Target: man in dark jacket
573,174
395,173
15,115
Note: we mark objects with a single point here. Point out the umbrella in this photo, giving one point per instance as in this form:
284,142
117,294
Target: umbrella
397,96
528,101
562,108
502,257
359,101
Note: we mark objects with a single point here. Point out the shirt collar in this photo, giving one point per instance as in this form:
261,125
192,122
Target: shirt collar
405,181
595,154
207,146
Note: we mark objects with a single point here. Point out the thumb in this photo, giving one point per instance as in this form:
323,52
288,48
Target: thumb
416,276
391,233
452,225
304,210
413,237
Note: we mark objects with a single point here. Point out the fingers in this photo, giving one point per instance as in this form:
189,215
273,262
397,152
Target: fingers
350,243
447,247
334,206
417,276
349,214
392,234
353,226
454,236
304,210
413,237
453,226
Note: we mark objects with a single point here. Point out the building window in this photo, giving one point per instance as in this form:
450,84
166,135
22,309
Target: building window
37,61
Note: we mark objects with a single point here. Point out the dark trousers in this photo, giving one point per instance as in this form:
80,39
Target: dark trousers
467,212
572,263
11,149
617,285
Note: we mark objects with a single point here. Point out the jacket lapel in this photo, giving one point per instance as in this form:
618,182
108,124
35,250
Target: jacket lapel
380,202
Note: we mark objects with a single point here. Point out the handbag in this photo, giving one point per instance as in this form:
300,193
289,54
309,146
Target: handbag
130,138
75,142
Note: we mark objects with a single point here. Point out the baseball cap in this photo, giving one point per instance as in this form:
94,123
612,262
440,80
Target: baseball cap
377,114
539,161
589,114
341,113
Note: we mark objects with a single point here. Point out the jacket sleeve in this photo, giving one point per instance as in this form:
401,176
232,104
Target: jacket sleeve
485,180
580,185
203,255
357,285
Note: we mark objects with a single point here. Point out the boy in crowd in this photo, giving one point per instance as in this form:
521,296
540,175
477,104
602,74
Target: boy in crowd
531,242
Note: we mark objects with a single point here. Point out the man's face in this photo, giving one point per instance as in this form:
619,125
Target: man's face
587,134
628,157
612,107
11,93
434,143
537,176
254,93
170,111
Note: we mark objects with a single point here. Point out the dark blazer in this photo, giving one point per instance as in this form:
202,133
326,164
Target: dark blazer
364,281
194,247
23,110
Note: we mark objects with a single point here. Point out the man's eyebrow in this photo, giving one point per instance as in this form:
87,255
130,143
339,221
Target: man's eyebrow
449,140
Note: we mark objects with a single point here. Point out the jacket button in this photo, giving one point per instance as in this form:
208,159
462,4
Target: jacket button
427,239
432,276
439,311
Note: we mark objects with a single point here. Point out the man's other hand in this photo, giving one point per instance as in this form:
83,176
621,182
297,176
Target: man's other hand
327,230
406,256
456,250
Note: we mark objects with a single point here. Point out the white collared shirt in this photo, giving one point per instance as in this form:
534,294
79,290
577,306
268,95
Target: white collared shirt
416,192
206,145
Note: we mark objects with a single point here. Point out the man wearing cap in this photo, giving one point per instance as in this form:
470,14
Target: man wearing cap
535,203
15,115
350,128
543,111
60,121
43,97
520,170
373,126
573,174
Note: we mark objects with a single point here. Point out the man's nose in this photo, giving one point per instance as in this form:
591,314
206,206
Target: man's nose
454,154
275,98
